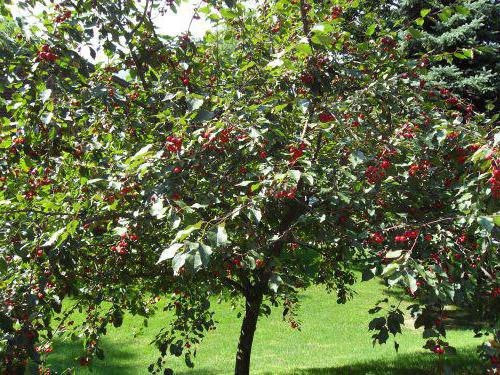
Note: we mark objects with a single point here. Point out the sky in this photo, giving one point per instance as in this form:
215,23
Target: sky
170,23
175,24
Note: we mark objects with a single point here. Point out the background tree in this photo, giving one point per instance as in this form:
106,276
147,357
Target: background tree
469,32
246,169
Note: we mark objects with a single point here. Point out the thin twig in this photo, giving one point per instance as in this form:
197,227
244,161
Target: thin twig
421,225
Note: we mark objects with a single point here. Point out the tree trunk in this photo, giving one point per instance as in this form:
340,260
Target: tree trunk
253,302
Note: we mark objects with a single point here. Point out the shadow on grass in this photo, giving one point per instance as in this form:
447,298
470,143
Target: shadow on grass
119,361
465,362
456,319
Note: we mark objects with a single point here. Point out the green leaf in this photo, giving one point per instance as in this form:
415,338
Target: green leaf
3,265
371,29
183,234
322,39
194,103
308,178
414,33
393,254
178,261
255,215
275,63
228,14
424,12
53,238
294,175
445,14
486,222
344,198
462,10
322,27
274,282
255,187
142,151
390,269
205,251
469,53
219,237
304,48
170,252
47,118
45,95
356,158
368,274
158,210
244,183
412,283
419,21
496,220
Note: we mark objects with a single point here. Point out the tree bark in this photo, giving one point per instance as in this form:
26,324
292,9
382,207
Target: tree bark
252,307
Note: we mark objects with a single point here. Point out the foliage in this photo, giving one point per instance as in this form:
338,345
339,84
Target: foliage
292,142
467,31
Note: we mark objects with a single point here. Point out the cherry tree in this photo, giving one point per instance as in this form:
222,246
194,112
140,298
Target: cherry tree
293,143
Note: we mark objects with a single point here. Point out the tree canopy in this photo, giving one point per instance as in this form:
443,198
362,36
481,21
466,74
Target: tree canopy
293,144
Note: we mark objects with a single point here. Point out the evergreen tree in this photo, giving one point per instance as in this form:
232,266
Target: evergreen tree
469,31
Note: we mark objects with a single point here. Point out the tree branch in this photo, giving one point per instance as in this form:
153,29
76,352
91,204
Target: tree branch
234,284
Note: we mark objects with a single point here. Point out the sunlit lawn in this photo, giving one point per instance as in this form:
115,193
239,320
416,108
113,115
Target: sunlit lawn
334,340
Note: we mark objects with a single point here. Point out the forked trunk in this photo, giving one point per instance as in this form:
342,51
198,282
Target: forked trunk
253,302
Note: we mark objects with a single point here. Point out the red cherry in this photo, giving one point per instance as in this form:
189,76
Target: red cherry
185,81
385,164
377,237
84,361
177,169
326,117
263,154
306,78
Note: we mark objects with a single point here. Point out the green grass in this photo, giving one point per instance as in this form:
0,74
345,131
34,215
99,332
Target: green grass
334,340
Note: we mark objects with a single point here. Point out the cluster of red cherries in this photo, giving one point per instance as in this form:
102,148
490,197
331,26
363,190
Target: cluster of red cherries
296,152
495,183
174,144
122,246
46,54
